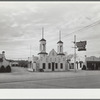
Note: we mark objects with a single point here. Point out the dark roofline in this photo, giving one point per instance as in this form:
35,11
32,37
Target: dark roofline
60,54
42,53
9,60
59,42
42,39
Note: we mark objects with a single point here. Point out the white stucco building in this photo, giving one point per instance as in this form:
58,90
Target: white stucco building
3,61
52,61
14,63
79,64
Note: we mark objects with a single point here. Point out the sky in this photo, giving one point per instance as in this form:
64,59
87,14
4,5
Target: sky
21,27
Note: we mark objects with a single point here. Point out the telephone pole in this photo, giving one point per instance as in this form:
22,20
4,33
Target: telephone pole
75,52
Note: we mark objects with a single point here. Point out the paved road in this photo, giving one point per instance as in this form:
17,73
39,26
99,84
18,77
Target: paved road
21,78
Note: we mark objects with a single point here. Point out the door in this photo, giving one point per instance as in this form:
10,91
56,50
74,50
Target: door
53,66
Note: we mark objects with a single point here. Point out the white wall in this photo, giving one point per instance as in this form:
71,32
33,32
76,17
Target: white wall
53,58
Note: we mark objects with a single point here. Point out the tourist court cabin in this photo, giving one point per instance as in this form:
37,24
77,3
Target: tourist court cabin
92,63
52,61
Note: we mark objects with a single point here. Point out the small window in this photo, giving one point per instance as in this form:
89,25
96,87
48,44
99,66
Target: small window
43,65
61,65
12,64
56,65
60,48
49,65
43,47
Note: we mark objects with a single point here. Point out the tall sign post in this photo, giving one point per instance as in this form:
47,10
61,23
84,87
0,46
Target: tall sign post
81,46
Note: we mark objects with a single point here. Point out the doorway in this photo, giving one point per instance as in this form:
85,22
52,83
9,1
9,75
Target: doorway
53,66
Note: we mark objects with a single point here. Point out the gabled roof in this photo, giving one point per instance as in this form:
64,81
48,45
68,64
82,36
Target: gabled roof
59,42
53,52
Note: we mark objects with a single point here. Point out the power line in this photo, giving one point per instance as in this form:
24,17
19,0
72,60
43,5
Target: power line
85,27
88,26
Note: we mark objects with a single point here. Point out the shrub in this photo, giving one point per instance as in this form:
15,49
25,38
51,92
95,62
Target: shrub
8,69
2,69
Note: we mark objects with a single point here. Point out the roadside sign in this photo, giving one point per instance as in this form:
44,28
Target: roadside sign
81,45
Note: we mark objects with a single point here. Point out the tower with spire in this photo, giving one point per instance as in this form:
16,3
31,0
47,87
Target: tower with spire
60,45
54,61
42,44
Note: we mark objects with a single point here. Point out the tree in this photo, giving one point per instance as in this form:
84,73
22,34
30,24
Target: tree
8,69
23,63
2,69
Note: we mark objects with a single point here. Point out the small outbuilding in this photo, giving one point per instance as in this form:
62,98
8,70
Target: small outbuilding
92,63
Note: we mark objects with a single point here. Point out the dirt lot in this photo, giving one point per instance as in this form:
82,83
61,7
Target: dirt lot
21,78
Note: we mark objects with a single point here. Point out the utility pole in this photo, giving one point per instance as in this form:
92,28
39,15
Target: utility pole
30,52
75,52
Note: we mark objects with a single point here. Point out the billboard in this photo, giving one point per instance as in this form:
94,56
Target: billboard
81,45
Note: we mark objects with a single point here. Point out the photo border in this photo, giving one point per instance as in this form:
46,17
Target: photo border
72,94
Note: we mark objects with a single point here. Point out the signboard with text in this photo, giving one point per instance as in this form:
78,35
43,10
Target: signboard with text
81,45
